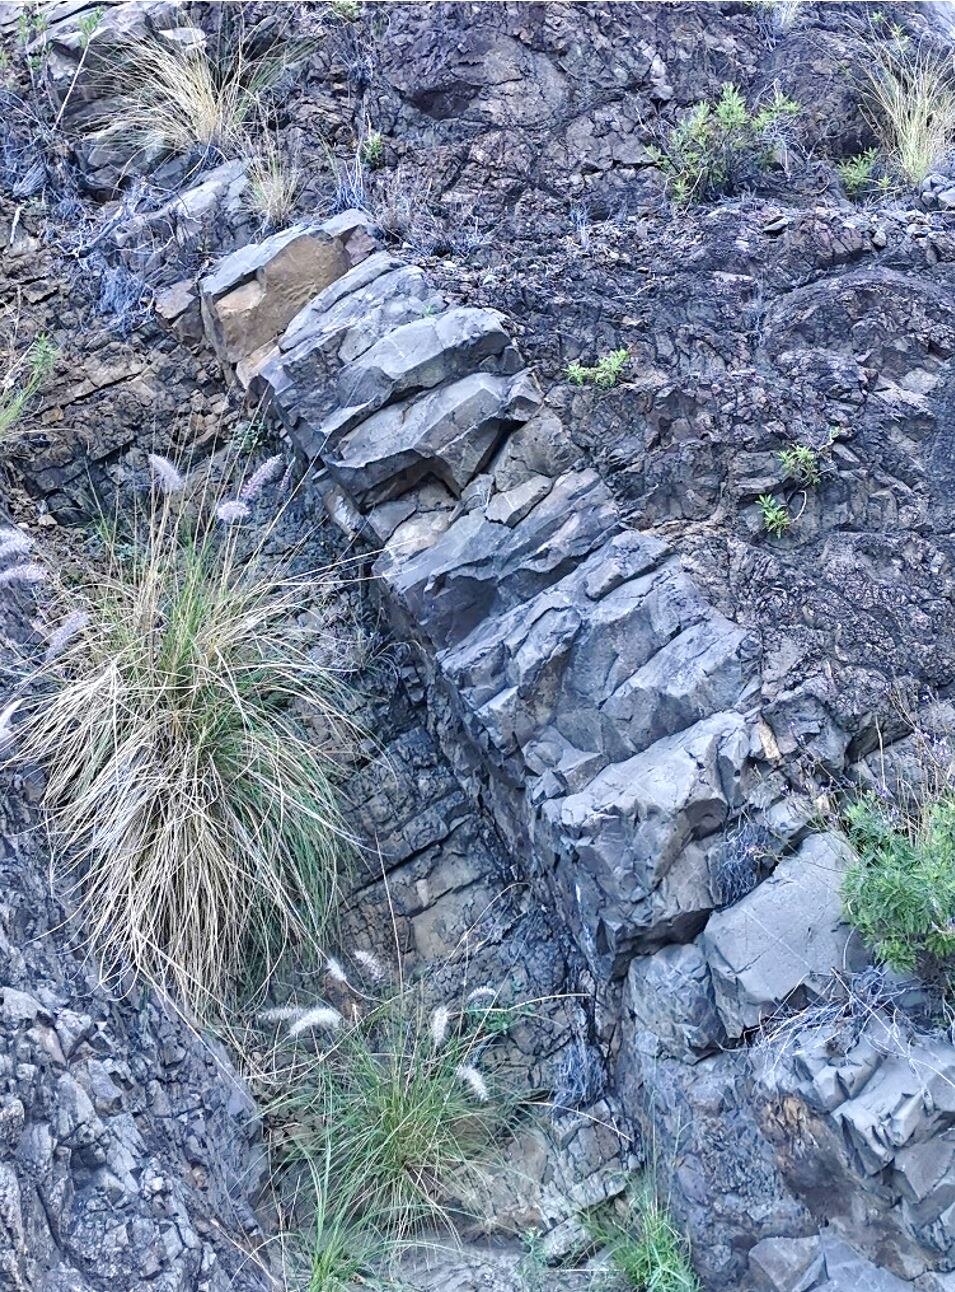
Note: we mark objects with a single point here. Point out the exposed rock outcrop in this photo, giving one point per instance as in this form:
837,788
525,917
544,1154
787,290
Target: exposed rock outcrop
609,719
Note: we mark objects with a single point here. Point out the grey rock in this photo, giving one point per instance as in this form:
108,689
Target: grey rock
781,942
669,997
448,434
419,356
786,1264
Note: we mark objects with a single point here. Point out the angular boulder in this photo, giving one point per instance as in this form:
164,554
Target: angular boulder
253,294
781,943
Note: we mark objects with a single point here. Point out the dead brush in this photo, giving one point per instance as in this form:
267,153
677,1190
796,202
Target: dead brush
201,821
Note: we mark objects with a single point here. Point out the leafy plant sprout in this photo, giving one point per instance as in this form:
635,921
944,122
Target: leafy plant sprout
801,463
856,173
776,517
605,373
372,149
202,822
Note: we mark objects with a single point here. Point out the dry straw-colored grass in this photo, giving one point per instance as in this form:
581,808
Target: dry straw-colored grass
177,100
911,96
275,178
200,819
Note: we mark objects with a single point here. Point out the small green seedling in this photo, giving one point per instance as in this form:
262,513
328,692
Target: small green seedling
776,519
373,149
801,463
856,172
605,372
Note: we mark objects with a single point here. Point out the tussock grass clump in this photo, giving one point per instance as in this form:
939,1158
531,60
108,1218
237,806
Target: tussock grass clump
181,99
911,96
274,180
202,822
392,1108
900,893
25,376
645,1245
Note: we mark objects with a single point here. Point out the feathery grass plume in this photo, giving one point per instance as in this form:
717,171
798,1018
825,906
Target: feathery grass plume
404,1127
322,1016
467,1073
202,823
440,1022
371,965
13,542
911,100
6,723
232,510
481,993
58,640
281,1013
30,572
335,971
167,476
260,477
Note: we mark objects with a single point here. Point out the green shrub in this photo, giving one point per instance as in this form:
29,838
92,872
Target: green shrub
202,820
645,1245
900,892
24,379
604,373
857,174
718,147
776,518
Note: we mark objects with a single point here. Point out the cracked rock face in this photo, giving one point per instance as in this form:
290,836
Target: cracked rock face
607,715
632,698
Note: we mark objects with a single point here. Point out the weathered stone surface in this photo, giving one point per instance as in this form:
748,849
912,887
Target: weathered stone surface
448,434
781,943
669,998
875,1106
252,295
819,1264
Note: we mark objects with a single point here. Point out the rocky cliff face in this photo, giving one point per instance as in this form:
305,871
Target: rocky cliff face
615,688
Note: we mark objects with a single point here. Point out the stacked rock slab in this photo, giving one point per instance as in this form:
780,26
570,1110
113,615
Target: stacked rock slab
604,714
